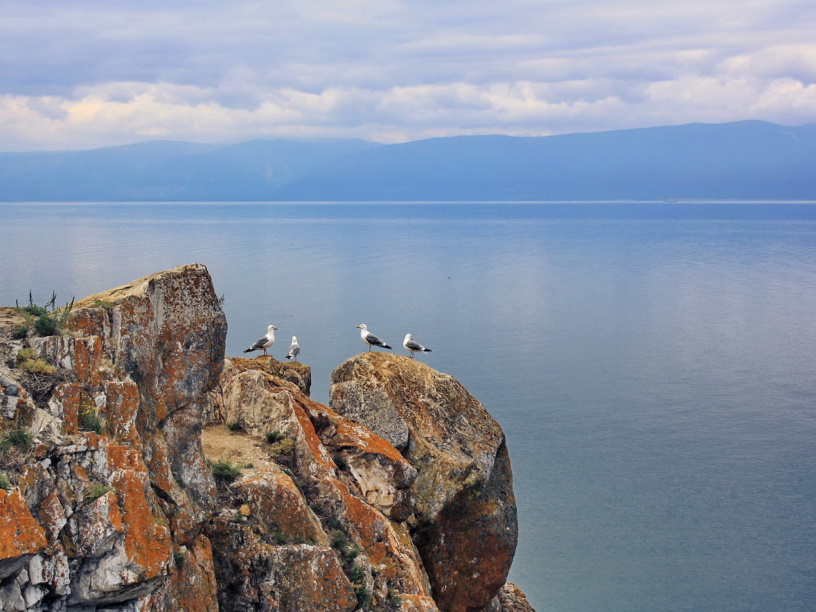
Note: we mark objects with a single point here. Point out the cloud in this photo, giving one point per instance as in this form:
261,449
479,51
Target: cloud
86,74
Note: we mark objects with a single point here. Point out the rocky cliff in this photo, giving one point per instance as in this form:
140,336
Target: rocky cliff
140,470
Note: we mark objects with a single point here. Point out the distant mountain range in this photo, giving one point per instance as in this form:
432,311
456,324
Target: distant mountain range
744,160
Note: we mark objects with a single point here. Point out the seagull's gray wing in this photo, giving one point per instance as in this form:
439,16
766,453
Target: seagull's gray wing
412,345
375,341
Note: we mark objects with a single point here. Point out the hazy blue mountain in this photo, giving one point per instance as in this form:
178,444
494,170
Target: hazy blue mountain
167,171
744,160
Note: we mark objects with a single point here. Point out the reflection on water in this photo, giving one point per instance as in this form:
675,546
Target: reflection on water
651,364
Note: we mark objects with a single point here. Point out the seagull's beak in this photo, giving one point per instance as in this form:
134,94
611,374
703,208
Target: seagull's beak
275,328
358,326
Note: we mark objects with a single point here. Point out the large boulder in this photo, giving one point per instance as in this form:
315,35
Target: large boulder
467,525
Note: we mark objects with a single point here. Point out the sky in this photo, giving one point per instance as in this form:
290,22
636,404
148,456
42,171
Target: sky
82,74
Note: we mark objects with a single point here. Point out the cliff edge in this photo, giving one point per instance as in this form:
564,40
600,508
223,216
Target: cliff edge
140,469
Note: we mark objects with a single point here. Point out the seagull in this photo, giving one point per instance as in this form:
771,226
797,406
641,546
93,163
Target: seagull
412,345
294,349
265,342
369,338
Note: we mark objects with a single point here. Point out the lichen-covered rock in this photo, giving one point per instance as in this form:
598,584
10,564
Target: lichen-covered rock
254,575
354,483
509,599
166,332
116,481
467,523
282,511
20,535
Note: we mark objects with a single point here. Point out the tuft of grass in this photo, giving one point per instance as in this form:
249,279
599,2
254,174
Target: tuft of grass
5,483
96,490
104,304
16,438
179,558
226,471
393,599
20,332
37,366
356,574
363,595
89,420
339,540
25,354
234,426
282,447
273,436
45,320
46,325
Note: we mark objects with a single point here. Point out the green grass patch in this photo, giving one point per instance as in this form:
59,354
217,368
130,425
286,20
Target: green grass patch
179,558
273,436
45,320
96,490
363,596
89,420
282,447
5,483
16,438
37,366
227,471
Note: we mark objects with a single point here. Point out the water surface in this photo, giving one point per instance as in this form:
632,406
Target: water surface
651,364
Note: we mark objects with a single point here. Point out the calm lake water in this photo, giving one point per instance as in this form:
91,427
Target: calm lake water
652,365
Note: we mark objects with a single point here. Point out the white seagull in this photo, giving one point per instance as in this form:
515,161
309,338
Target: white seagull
369,338
412,345
265,342
294,349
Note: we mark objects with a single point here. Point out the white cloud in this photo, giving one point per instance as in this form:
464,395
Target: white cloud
85,74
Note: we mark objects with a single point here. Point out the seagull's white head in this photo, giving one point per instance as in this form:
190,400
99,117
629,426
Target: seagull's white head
271,328
294,339
362,326
408,337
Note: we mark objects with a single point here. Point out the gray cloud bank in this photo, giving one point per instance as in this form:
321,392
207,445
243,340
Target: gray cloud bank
85,74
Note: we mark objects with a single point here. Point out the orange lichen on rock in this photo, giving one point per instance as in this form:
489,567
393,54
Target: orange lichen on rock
66,403
147,542
19,532
121,408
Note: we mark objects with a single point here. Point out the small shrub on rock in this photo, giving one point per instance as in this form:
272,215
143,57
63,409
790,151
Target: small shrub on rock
46,320
5,483
226,471
282,447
